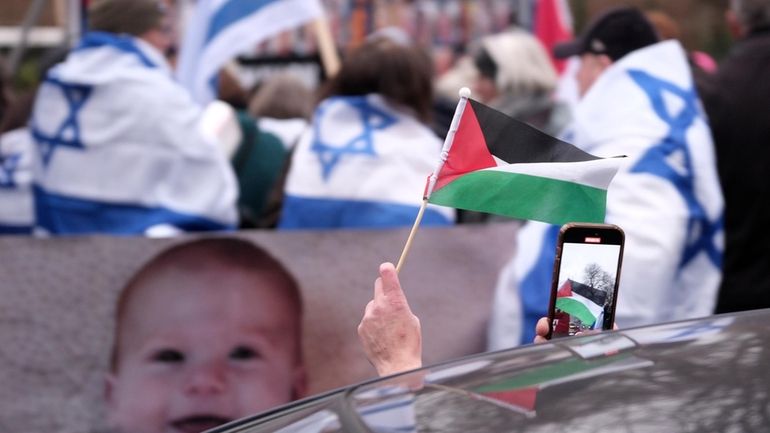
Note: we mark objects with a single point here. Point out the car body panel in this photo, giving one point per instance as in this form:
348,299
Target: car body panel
700,375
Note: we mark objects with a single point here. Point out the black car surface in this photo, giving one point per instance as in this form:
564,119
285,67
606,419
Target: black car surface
704,375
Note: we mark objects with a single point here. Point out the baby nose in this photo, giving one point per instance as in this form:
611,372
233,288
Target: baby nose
207,378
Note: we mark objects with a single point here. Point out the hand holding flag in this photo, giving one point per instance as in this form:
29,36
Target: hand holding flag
389,331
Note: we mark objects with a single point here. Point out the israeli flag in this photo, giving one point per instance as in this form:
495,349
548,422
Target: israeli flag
16,207
363,163
222,29
666,197
120,147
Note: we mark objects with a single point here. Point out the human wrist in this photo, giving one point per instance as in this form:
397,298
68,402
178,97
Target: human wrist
387,369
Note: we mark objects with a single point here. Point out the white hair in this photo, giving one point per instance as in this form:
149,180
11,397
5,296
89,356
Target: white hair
752,14
522,63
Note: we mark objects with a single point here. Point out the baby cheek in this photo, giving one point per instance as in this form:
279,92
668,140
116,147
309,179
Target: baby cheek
262,387
142,402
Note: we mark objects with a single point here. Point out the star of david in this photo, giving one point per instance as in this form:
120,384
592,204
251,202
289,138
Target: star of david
68,133
671,160
371,119
8,166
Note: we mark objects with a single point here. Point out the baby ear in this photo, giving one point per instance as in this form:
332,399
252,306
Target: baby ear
299,382
110,383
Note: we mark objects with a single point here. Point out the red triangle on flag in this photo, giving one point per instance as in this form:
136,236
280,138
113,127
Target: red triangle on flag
522,398
469,150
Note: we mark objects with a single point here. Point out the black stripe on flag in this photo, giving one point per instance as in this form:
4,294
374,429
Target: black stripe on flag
516,142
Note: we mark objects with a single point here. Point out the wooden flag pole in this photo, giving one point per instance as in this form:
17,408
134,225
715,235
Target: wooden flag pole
409,240
464,93
330,59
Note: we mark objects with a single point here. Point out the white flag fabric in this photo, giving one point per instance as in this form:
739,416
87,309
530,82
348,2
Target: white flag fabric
120,148
16,209
363,163
222,29
666,198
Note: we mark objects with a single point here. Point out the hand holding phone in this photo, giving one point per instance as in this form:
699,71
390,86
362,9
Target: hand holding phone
585,278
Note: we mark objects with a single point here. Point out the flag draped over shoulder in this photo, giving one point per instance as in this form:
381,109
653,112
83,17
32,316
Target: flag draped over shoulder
16,207
222,29
362,164
119,147
499,165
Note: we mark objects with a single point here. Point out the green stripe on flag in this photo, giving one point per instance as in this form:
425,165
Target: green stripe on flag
524,196
544,374
576,309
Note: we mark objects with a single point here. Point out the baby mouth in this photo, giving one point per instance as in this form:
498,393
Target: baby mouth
199,423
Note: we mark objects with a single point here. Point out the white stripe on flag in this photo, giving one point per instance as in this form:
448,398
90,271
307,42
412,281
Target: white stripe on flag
221,30
591,305
596,173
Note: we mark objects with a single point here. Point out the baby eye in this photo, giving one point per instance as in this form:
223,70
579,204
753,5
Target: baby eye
168,355
243,353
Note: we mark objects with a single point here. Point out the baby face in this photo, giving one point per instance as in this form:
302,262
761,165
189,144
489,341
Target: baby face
200,349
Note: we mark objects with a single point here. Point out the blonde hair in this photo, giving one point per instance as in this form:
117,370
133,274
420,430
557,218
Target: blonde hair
522,64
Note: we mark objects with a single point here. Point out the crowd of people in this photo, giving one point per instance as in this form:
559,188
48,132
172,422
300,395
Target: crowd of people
114,145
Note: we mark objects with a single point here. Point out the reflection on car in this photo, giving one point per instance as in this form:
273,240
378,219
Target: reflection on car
704,375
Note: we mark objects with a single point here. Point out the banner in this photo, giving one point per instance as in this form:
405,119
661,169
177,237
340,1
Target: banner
59,297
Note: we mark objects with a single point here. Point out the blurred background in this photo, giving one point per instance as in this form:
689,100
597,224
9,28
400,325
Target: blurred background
33,31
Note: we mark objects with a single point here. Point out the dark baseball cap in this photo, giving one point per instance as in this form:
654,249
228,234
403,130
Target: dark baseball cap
615,33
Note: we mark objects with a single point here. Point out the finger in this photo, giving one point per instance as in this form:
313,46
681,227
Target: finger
367,316
378,293
391,287
368,311
542,328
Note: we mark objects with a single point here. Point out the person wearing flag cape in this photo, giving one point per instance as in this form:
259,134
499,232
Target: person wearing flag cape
120,146
368,151
638,99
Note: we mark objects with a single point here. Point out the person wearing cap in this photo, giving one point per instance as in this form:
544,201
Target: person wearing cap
637,99
119,144
740,121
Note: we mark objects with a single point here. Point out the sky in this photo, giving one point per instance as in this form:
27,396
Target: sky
575,257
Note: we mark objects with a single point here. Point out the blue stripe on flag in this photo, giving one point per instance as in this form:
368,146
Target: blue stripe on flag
232,11
120,42
315,213
66,215
535,287
15,230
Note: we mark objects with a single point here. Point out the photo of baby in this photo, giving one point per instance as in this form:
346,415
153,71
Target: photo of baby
207,332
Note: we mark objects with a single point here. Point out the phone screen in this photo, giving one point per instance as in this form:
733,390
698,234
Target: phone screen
586,285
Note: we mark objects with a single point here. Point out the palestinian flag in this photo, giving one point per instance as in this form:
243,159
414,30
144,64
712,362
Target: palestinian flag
496,164
576,305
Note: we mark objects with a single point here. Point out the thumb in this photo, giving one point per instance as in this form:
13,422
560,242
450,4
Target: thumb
391,287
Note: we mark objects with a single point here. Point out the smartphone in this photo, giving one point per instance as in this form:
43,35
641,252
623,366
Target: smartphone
586,273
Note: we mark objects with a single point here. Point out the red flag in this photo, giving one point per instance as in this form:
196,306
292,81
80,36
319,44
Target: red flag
553,24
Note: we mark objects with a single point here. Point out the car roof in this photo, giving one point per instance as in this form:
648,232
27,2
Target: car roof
700,375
